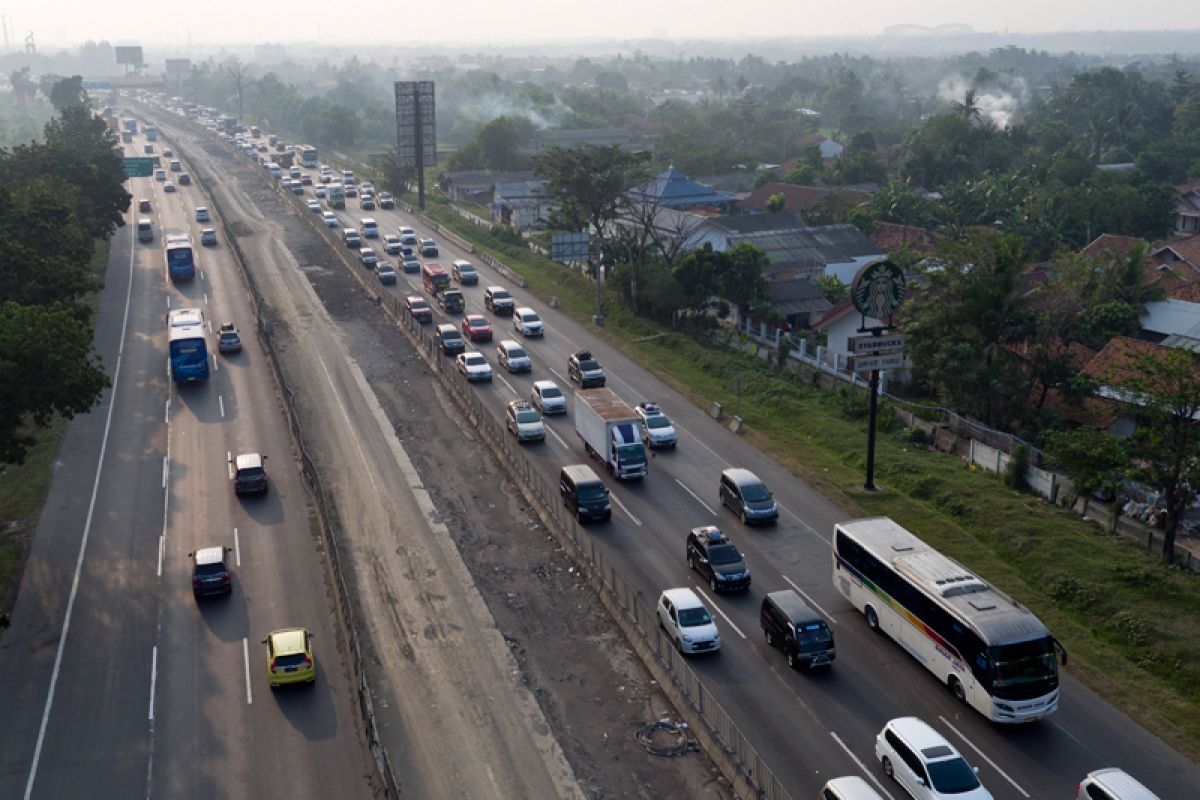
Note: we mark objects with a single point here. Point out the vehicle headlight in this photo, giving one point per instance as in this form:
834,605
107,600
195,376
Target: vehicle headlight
687,638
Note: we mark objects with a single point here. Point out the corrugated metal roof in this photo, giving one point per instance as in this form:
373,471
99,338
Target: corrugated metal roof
815,246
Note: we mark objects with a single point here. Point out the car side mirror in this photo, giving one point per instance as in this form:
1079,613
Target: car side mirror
703,560
975,770
264,640
920,781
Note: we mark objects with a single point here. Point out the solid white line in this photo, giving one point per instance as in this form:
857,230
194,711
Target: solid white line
153,678
870,775
811,602
164,472
237,548
717,608
557,438
87,529
560,377
807,527
1003,774
506,383
246,663
695,497
221,402
621,505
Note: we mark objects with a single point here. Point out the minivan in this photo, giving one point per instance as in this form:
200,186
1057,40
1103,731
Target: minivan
370,228
584,493
790,625
513,357
926,765
449,339
747,496
145,230
351,238
849,788
1112,784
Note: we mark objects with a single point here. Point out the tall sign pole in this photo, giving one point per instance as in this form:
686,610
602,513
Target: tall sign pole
877,293
416,130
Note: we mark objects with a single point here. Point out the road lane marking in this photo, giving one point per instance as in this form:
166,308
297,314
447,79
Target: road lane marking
162,543
557,438
208,322
696,497
807,527
982,755
811,602
870,775
246,664
506,383
153,678
165,470
717,608
206,303
229,462
167,415
221,403
559,376
83,542
621,505
216,368
237,548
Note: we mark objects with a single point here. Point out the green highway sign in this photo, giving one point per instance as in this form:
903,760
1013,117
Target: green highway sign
139,167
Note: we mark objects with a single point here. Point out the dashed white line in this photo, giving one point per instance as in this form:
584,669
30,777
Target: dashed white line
216,367
165,470
237,548
870,775
557,438
162,544
167,414
208,322
1002,773
246,664
696,497
153,679
724,616
806,526
621,506
811,602
206,300
506,383
559,376
221,403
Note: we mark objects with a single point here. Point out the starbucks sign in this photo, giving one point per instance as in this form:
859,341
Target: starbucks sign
878,289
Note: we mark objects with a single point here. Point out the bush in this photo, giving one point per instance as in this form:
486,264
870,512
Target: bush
917,436
1018,465
853,403
506,235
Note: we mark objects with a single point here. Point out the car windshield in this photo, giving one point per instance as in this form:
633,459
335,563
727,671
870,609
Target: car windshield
516,352
591,493
952,776
551,392
251,473
589,365
501,295
632,453
657,421
813,633
210,569
478,323
692,617
527,416
1025,664
421,306
724,554
755,493
293,660
475,361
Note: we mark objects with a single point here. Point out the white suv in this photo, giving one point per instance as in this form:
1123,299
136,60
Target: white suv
926,765
685,619
527,322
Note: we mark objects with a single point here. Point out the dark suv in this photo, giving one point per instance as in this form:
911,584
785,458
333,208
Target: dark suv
210,573
585,370
712,555
497,300
249,474
790,625
747,496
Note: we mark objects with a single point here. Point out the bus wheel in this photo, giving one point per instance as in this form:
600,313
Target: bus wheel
956,688
872,619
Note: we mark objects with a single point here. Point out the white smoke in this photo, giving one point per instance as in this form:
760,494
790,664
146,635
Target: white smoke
486,107
999,104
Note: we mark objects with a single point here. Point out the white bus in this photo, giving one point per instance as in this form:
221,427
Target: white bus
991,651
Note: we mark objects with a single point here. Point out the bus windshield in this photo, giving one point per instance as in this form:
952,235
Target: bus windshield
1024,670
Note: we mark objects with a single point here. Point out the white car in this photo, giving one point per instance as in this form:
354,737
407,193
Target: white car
330,218
524,422
548,398
657,430
474,366
319,192
527,323
313,205
924,764
391,243
685,619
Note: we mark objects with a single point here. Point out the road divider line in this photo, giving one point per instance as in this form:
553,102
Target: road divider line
557,438
162,543
863,767
216,367
696,497
811,602
506,383
167,412
982,755
246,665
237,548
153,679
83,542
558,375
717,608
208,323
165,470
206,303
221,403
807,527
229,463
621,506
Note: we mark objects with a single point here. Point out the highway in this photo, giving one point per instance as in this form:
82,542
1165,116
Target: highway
117,682
808,727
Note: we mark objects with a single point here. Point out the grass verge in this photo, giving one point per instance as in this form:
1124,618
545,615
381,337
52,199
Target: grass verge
1127,620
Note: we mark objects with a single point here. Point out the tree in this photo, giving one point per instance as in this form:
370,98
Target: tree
1095,461
968,108
47,367
741,279
500,142
698,274
68,92
776,202
44,249
239,75
1164,392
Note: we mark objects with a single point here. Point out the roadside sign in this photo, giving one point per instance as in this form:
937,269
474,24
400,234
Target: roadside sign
139,167
568,247
882,361
865,345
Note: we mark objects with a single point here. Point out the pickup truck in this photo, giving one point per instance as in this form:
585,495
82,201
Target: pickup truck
586,371
611,432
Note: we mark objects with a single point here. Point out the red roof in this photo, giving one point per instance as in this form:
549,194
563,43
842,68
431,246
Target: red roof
796,198
1111,243
840,310
1119,359
1186,250
1188,292
891,237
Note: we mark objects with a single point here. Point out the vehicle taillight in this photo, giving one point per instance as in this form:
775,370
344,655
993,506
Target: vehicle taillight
196,581
224,577
307,661
273,664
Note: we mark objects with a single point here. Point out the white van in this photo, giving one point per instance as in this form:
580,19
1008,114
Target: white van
1113,784
851,788
275,170
370,228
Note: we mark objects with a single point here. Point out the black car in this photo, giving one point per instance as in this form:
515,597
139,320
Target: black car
228,340
210,572
788,623
715,558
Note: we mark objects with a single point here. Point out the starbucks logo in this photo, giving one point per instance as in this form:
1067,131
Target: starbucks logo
878,289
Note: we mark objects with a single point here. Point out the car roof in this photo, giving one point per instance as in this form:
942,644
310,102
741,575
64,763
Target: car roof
741,476
1121,783
709,534
539,385
249,461
683,597
918,734
287,641
210,555
525,310
852,787
476,316
508,344
792,604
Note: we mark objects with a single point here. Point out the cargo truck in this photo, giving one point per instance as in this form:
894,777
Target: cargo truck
611,432
151,133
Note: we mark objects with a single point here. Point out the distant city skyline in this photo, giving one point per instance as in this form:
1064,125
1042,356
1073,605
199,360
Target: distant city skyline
68,23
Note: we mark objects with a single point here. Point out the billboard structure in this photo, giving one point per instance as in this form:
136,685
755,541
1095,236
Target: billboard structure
416,130
131,56
177,71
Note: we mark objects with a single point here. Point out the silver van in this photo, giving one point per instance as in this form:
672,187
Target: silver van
1113,784
851,788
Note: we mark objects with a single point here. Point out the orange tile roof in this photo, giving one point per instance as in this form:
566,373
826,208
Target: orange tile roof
1111,243
1188,250
796,198
1118,360
1188,291
891,237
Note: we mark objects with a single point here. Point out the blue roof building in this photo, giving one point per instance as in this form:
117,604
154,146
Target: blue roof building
672,189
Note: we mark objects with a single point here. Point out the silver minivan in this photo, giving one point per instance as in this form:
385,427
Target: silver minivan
1113,784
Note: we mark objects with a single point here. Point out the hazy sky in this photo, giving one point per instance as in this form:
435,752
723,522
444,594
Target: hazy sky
153,23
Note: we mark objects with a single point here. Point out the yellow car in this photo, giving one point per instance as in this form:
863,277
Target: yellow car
290,657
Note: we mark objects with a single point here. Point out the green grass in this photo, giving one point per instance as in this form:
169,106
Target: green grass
1128,622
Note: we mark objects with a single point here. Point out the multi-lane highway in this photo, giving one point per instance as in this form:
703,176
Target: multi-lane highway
807,727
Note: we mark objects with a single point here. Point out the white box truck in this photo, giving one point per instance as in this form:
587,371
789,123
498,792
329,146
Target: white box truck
611,432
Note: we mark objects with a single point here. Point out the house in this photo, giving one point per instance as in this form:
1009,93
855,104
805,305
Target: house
798,302
1187,209
475,186
1114,366
795,197
523,204
1181,256
545,139
830,150
892,237
839,324
812,252
674,190
724,232
1111,243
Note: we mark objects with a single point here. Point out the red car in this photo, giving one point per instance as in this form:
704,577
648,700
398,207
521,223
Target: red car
476,328
418,308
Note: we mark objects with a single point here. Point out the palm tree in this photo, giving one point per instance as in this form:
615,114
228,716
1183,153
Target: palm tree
968,109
